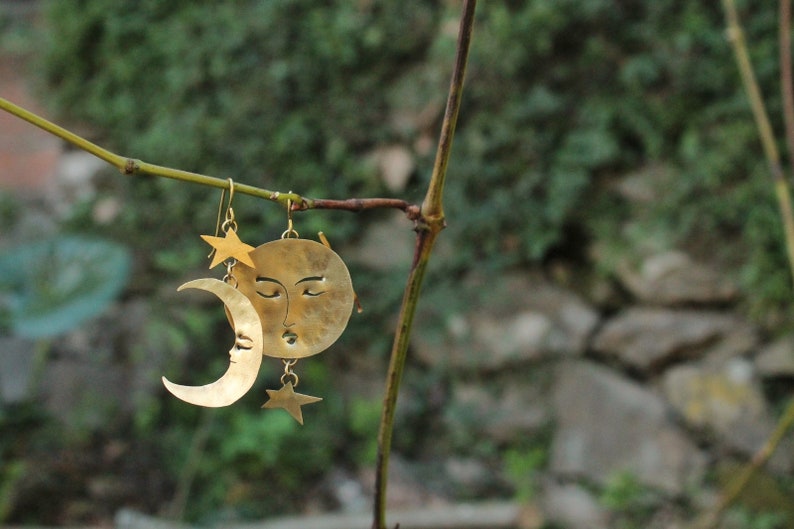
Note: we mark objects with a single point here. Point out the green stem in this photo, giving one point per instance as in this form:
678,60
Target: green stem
430,224
131,166
786,87
783,194
433,206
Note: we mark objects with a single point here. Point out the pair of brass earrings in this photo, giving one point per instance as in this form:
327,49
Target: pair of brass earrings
290,298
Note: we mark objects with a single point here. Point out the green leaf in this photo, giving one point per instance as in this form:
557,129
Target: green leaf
53,286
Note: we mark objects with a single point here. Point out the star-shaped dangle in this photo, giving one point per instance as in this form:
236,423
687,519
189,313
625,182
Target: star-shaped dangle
289,400
229,246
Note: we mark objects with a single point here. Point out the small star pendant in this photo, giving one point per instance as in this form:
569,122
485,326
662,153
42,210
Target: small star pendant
289,400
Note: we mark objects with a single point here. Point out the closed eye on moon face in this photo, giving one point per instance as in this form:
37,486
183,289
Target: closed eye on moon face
312,290
243,342
269,294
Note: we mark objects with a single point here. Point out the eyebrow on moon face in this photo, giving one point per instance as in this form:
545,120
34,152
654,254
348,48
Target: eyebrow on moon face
308,292
262,279
312,278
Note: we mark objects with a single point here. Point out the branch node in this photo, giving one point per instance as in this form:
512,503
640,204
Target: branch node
130,167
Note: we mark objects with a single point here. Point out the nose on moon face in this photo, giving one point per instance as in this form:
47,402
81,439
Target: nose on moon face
289,337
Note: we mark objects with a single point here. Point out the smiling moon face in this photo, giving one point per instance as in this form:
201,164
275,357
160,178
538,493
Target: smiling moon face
302,292
245,356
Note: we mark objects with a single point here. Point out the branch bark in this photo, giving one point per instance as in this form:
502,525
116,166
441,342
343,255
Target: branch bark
431,222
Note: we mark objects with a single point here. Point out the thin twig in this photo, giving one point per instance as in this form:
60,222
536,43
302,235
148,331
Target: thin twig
412,211
132,166
736,37
786,80
430,225
432,205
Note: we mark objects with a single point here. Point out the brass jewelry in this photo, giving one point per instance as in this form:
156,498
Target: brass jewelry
245,357
302,296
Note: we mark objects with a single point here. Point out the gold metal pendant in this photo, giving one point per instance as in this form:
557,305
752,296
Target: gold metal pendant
290,298
245,356
303,294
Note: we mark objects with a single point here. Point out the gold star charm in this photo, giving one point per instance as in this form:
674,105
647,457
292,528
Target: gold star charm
289,400
229,246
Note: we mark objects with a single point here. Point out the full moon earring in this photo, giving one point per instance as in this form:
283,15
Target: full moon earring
302,291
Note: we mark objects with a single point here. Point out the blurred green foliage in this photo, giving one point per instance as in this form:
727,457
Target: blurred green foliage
522,468
52,286
562,100
631,503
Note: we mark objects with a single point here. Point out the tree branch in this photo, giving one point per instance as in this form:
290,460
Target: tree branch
433,205
783,193
431,222
132,166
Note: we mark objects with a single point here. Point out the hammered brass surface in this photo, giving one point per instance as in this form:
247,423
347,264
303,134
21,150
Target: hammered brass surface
302,293
245,356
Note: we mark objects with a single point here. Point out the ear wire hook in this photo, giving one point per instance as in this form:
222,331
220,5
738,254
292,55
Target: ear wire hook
229,222
289,232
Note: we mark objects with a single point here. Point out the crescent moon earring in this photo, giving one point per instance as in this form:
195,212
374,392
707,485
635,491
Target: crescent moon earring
245,357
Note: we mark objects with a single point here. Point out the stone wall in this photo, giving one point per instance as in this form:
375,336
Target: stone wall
663,386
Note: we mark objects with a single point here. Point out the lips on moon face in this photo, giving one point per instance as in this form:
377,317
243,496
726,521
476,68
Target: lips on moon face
245,356
302,292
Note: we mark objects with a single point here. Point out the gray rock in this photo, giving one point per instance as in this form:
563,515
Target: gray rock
648,339
607,424
573,507
74,181
727,401
523,318
646,184
777,358
469,477
387,244
673,278
396,164
505,413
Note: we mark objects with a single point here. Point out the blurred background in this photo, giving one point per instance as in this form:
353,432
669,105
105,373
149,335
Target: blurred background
605,332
